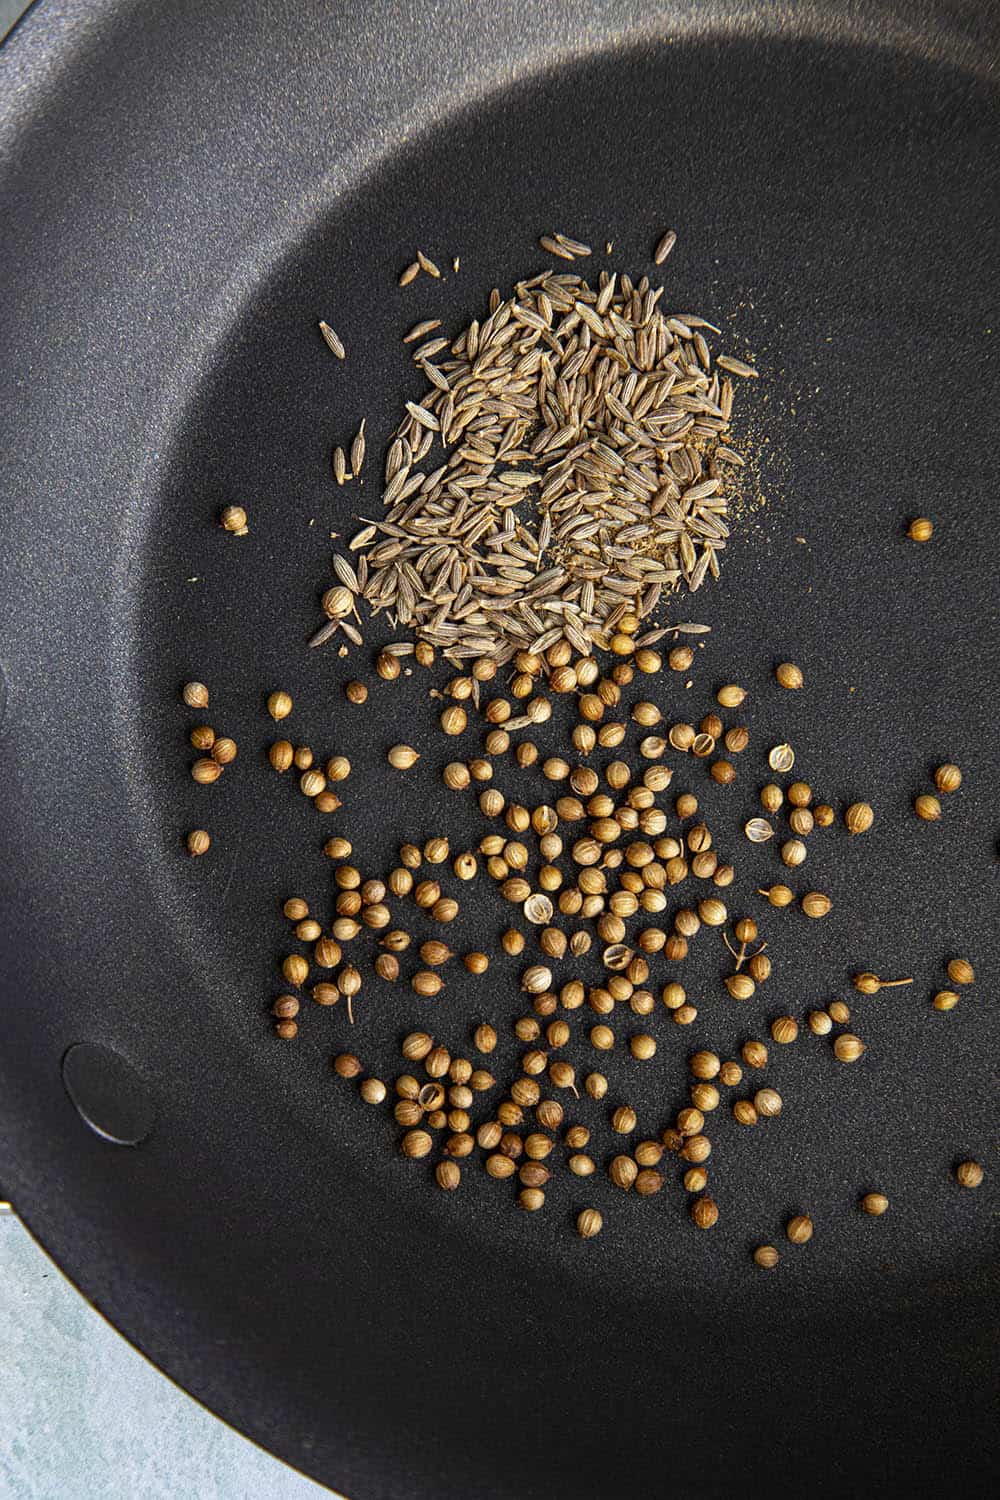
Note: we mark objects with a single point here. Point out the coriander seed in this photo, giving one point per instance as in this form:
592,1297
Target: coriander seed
766,1256
198,841
820,1024
205,772
859,817
799,1229
730,695
754,1054
969,1174
815,904
960,971
784,1029
927,808
280,755
920,529
789,675
875,1204
767,1103
945,1000
346,1065
589,1223
195,694
373,1091
279,705
623,1172
704,1212
947,778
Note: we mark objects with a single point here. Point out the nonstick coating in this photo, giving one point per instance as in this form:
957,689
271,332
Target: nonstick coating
186,189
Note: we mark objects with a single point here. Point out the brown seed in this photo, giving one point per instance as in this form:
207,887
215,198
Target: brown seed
947,778
945,1000
198,841
960,971
704,1212
448,1175
648,1182
927,808
789,675
744,1112
704,1065
279,705
847,1047
530,1199
623,1120
767,1103
202,737
859,817
754,1054
642,1047
875,1204
286,1030
815,904
838,1011
784,1029
280,755
824,815
820,1024
588,1223
779,895
969,1174
731,695
285,1007
920,529
416,1143
373,1091
766,1257
730,1074
346,1065
623,1172
233,518
205,772
799,1229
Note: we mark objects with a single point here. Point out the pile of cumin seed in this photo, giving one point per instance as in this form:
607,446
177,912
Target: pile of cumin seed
582,473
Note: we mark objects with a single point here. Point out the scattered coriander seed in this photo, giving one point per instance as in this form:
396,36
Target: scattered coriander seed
847,1047
799,1229
337,848
789,675
740,986
416,1144
760,967
448,1175
642,1047
824,815
730,695
648,1182
969,1174
870,984
285,1008
704,1065
960,971
302,757
754,1054
195,695
815,904
820,1024
771,797
859,817
704,1212
920,529
793,853
781,758
947,778
373,1091
205,771
589,1223
233,518
531,1199
279,705
766,1256
356,692
623,1172
224,750
784,1029
744,1112
286,1030
346,1065
402,757
730,1074
198,841
927,808
623,1120
476,963
875,1204
202,737
839,1012
778,895
945,1000
758,830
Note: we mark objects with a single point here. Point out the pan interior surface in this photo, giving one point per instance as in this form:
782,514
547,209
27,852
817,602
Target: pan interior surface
836,211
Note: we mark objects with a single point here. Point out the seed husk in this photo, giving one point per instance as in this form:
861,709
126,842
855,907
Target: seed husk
781,758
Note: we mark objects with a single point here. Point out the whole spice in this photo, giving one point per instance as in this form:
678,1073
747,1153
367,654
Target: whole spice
927,808
205,772
947,778
704,1212
766,1256
588,1223
859,817
799,1229
920,529
969,1174
784,1029
233,518
960,971
870,984
945,1000
198,841
279,705
767,1103
280,755
195,694
448,1175
789,675
875,1204
416,1143
402,757
815,904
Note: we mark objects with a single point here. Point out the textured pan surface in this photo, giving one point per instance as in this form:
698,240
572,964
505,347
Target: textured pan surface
185,190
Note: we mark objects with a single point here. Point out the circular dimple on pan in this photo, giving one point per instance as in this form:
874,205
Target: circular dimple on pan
108,1093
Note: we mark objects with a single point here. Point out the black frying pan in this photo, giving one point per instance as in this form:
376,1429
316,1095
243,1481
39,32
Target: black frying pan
186,189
